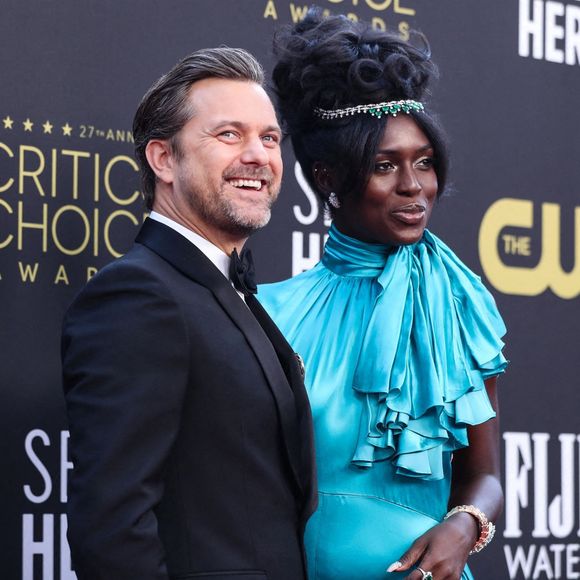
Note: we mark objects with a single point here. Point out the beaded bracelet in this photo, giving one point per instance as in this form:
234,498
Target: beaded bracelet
486,528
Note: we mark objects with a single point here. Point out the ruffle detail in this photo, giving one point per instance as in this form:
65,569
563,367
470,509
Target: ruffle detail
411,330
433,337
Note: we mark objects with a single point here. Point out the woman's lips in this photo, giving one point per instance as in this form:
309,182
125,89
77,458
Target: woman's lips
410,214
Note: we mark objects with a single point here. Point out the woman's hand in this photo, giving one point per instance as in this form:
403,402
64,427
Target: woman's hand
443,550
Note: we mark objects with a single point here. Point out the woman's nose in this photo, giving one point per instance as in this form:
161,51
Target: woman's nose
409,183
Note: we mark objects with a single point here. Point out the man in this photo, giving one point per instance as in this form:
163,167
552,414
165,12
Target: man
190,428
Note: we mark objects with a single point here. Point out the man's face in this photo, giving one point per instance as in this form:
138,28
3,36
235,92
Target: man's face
228,169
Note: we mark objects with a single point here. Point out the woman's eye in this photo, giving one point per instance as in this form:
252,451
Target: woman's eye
383,166
426,162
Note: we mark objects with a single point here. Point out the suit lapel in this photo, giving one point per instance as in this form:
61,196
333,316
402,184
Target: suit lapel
294,373
190,261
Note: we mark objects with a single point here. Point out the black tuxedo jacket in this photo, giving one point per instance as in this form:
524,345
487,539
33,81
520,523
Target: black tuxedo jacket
190,428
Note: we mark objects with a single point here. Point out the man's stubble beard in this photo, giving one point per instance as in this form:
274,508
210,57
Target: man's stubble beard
223,213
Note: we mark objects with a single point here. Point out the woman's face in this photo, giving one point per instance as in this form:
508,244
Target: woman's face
397,203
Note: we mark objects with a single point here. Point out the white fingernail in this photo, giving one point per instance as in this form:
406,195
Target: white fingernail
394,566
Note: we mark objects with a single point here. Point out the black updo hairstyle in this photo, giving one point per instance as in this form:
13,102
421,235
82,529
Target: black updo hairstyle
336,63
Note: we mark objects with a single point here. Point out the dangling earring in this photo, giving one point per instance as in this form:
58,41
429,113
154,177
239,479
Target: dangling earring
333,200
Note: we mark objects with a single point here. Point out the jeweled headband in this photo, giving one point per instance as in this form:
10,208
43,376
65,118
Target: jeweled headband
375,109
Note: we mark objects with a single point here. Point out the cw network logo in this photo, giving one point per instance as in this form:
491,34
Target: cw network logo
508,213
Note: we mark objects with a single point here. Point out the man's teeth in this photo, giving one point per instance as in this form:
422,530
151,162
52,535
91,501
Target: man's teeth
255,183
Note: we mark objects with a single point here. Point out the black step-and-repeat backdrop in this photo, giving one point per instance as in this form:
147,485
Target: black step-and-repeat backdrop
72,74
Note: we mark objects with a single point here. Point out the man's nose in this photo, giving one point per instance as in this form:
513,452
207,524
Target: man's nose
255,152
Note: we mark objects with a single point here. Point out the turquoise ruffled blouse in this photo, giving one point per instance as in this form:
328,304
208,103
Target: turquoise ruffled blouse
397,342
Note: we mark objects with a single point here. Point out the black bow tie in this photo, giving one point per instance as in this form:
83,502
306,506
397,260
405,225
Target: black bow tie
242,272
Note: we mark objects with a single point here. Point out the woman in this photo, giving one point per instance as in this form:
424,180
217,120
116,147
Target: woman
401,342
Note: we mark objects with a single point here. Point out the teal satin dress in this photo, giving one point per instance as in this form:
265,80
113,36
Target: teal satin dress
396,342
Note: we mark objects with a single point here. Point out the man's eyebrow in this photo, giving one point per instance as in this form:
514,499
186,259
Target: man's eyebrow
273,129
240,125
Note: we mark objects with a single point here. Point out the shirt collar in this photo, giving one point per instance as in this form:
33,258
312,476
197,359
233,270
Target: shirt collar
217,256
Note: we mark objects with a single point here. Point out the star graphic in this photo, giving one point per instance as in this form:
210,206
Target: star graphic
67,130
47,127
7,122
28,124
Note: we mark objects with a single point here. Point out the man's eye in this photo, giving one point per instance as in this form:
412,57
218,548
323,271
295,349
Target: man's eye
271,138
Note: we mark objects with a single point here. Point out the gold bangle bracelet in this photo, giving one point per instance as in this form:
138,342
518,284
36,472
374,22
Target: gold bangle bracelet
486,528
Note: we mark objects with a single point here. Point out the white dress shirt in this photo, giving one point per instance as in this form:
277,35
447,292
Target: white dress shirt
217,256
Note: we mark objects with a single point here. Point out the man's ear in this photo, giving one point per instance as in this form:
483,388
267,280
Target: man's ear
323,177
161,160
